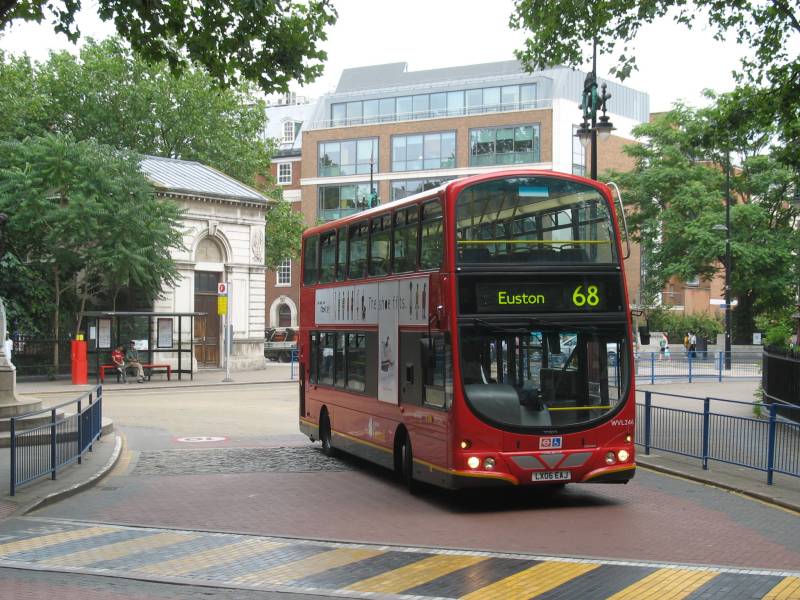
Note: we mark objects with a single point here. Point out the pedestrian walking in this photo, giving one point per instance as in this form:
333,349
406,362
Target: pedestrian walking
692,345
662,346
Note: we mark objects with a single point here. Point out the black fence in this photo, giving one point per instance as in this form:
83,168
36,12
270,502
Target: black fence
781,379
34,357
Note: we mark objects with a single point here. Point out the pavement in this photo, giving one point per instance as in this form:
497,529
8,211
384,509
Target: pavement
785,492
108,449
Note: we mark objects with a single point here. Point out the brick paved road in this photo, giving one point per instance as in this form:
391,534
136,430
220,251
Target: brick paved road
268,481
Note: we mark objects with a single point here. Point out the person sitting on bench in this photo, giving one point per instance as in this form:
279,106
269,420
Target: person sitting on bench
132,360
118,358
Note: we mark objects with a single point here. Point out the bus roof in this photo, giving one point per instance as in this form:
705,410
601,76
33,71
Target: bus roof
433,192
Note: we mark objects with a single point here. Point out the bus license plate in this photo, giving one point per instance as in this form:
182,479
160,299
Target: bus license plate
552,476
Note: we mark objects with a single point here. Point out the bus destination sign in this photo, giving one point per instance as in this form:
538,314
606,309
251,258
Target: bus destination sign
540,297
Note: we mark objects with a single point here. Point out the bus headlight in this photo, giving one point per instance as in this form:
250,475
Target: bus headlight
628,438
610,458
623,455
488,464
465,444
473,462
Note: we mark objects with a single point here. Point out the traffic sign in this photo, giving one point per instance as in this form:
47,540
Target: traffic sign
222,288
222,305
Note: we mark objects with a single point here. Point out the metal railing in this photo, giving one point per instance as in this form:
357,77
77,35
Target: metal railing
46,440
726,431
652,366
294,367
436,113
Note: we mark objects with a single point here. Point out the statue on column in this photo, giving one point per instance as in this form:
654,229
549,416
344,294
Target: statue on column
5,360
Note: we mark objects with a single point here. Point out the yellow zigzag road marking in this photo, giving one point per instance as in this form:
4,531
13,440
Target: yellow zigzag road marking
118,550
309,566
788,589
532,582
415,574
52,539
210,558
665,584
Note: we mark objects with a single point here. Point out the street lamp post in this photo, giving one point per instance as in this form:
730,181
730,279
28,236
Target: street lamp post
373,197
728,262
591,102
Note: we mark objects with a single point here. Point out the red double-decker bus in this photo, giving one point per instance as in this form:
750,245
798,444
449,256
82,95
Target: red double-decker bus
475,334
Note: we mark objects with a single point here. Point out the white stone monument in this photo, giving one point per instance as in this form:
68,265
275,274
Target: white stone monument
10,404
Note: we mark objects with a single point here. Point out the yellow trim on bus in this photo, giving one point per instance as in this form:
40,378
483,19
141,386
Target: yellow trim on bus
360,441
605,471
506,476
579,407
474,242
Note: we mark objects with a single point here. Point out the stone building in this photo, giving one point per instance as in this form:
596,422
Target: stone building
223,238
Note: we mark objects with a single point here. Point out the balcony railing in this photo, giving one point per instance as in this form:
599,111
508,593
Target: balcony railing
434,114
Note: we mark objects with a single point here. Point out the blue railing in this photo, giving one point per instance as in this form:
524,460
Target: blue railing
746,434
651,366
46,440
293,373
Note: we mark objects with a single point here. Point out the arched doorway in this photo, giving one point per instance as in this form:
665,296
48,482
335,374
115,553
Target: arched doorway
209,256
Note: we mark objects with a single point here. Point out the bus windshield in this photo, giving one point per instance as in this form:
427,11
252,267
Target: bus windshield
527,377
533,220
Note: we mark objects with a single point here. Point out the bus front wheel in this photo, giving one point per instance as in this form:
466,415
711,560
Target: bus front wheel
325,434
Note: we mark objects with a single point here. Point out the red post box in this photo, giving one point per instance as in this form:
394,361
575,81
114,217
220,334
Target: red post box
80,366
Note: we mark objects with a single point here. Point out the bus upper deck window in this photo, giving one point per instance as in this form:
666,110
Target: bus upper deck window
310,272
432,236
380,245
341,254
357,251
405,240
327,256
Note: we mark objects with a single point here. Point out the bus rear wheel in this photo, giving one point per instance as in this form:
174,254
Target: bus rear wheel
407,465
325,434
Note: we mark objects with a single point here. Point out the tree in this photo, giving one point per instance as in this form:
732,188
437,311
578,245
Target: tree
83,217
678,191
113,96
769,29
269,42
283,234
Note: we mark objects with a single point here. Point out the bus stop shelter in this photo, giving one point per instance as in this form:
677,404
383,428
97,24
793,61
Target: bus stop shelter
158,336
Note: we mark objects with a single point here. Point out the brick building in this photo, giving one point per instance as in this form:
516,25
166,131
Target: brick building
398,132
286,119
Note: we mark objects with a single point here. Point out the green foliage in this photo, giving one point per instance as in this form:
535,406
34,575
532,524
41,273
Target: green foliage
119,99
677,325
678,188
771,30
269,42
284,230
82,219
778,335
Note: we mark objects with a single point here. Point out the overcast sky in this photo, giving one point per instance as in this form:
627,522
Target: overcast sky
674,63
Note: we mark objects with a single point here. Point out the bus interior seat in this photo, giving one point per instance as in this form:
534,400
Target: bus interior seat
472,372
558,384
476,255
572,255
